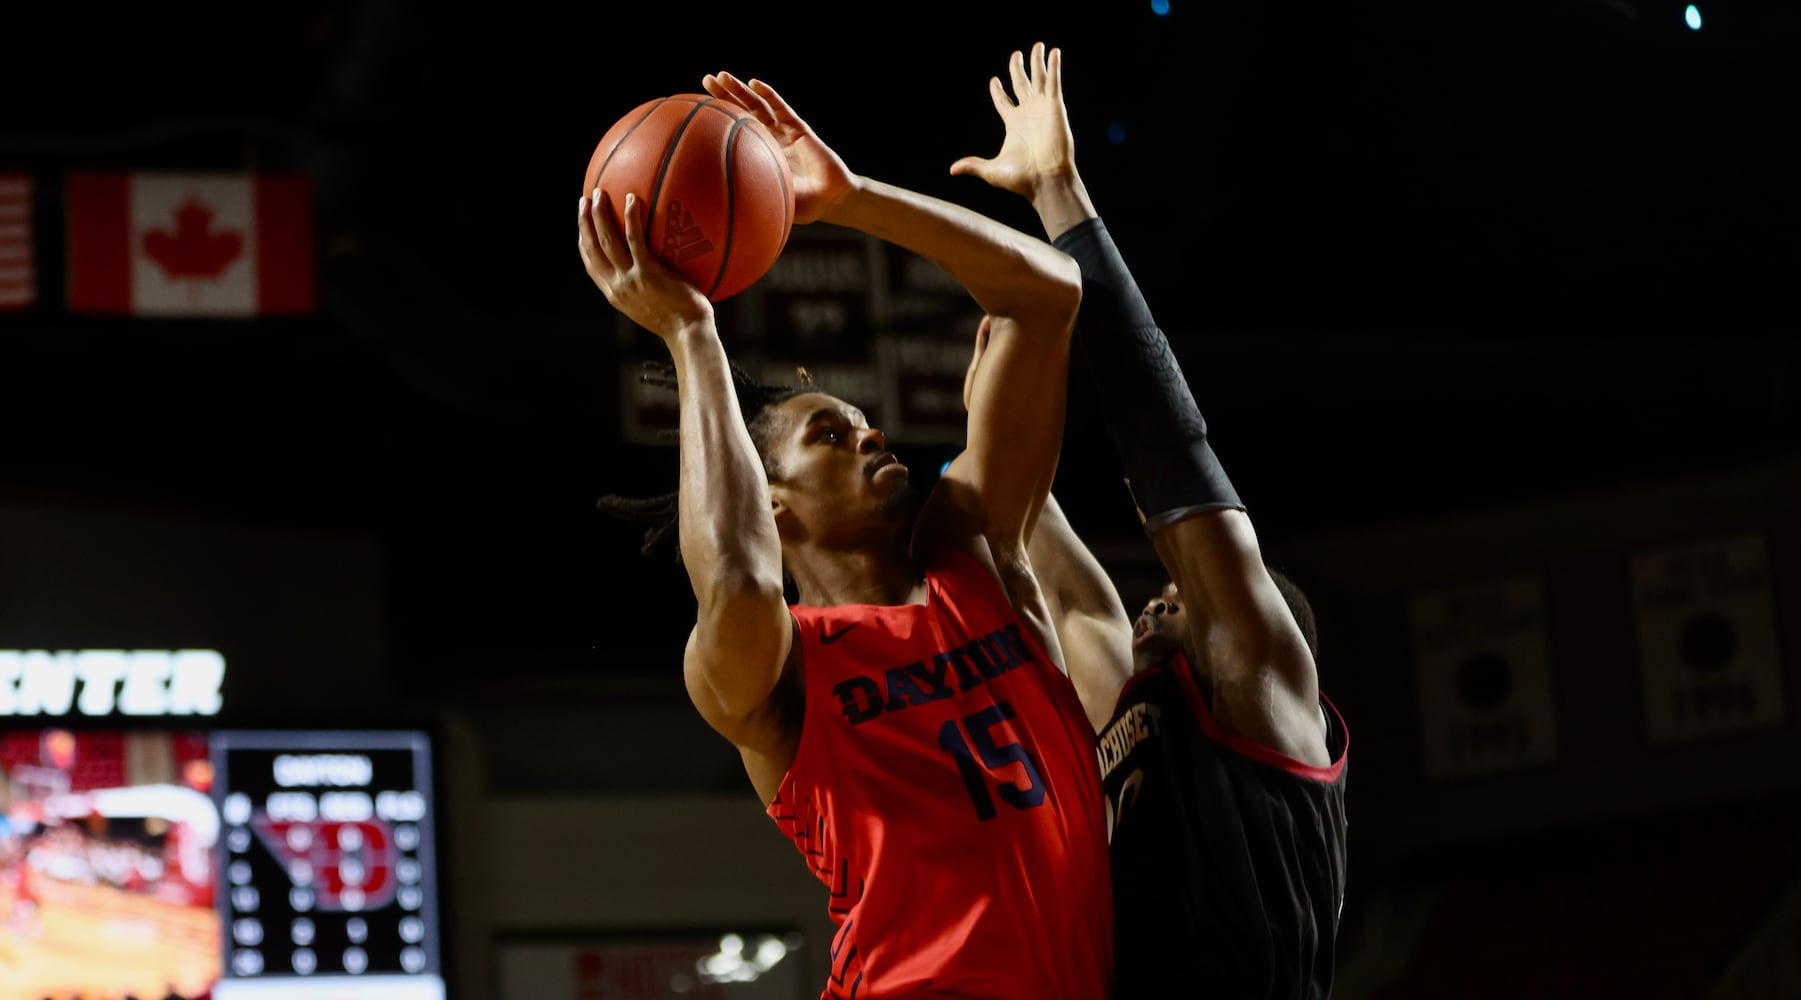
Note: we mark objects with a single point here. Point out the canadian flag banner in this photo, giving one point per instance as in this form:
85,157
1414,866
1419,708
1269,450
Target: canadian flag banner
18,269
190,244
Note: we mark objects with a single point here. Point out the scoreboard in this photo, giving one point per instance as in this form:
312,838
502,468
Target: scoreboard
327,883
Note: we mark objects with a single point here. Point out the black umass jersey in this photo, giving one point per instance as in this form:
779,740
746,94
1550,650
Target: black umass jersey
1228,858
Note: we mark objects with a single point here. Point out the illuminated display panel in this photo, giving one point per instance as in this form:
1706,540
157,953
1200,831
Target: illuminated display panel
669,965
224,863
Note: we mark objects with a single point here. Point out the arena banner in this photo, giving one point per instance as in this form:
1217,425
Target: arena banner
870,323
18,255
1484,677
107,682
1707,638
190,244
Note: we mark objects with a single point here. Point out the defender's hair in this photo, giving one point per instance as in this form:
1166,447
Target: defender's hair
1299,606
755,399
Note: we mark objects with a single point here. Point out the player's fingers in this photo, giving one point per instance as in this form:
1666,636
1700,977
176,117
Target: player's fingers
734,89
585,239
634,231
1016,69
1035,70
998,93
774,103
1053,71
968,165
724,86
606,232
728,87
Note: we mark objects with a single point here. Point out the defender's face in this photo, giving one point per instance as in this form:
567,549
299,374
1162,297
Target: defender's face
829,464
1162,626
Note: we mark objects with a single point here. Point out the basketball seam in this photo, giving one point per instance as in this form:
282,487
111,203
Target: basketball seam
656,189
602,172
698,104
731,202
787,194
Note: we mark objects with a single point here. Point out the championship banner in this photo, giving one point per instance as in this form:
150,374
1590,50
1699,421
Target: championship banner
1484,677
650,415
929,324
1707,638
921,298
174,244
820,302
872,323
18,264
923,381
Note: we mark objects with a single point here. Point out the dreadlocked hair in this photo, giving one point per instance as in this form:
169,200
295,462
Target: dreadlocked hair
755,399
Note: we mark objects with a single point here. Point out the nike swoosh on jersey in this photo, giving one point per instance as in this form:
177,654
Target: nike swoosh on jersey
827,638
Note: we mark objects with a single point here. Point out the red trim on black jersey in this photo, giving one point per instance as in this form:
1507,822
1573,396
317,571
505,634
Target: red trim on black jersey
1191,692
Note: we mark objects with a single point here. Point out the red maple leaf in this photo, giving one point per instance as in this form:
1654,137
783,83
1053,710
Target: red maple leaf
193,250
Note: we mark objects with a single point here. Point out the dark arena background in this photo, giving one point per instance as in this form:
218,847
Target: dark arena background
1491,308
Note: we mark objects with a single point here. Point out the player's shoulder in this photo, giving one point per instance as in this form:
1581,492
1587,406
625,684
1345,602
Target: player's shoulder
1260,761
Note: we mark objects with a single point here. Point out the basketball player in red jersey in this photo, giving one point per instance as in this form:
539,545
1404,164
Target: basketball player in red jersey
907,722
1224,764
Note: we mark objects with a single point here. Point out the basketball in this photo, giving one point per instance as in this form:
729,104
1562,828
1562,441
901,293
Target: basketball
713,181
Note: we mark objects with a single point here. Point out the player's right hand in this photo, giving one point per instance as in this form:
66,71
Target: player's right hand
621,264
821,179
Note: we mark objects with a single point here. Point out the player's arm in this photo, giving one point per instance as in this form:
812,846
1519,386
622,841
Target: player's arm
1029,290
743,631
1265,681
1243,635
1091,621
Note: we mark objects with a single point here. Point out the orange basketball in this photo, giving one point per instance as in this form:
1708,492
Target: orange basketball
713,181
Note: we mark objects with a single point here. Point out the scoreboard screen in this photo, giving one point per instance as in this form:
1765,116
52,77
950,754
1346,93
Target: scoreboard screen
227,863
327,880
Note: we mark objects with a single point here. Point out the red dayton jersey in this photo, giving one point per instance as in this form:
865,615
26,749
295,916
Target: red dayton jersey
946,790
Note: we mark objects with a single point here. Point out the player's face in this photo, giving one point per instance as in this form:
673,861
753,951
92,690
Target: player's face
831,467
1162,626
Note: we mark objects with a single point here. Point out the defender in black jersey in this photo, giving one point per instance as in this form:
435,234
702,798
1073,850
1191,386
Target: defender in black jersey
1224,764
1217,839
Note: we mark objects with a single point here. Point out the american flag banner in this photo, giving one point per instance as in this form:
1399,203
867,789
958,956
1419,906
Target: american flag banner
191,244
18,267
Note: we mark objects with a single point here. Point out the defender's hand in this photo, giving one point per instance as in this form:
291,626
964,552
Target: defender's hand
1039,145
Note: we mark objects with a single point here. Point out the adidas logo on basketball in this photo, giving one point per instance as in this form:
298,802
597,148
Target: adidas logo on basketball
682,239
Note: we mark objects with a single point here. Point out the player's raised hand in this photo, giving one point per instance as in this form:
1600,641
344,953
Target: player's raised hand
1038,143
820,177
622,266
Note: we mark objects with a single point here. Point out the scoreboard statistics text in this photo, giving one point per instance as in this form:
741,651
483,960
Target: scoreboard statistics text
328,886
